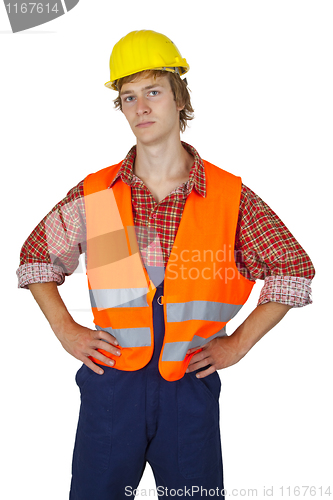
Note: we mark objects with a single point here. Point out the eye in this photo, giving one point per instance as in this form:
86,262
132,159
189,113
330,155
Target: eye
153,92
128,98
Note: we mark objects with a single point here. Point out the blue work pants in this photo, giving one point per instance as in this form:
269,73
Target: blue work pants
130,418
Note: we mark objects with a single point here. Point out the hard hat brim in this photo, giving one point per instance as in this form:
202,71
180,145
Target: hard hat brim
182,70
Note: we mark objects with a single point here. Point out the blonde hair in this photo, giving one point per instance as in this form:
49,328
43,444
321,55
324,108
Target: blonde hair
178,86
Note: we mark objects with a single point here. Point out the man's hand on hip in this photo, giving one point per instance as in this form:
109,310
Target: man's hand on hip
220,353
81,342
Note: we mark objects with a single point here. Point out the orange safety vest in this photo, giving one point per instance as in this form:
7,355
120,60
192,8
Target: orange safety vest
203,289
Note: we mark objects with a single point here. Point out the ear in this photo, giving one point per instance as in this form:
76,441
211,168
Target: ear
180,107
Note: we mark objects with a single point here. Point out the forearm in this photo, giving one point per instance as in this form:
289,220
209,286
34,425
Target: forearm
52,305
262,319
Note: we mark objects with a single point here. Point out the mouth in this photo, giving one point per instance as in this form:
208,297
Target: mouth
144,124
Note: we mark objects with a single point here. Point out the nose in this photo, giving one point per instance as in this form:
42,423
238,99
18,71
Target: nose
142,107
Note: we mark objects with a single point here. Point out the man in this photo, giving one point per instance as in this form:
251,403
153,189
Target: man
173,247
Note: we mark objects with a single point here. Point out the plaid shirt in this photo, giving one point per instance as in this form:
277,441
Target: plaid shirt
264,247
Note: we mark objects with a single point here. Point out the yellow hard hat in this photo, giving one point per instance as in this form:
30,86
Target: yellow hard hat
142,50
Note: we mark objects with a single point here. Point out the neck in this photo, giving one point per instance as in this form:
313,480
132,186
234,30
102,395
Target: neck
162,167
162,162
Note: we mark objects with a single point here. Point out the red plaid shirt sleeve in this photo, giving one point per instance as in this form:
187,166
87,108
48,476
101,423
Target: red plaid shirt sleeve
265,249
52,250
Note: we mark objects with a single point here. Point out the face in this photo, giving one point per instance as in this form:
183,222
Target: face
150,109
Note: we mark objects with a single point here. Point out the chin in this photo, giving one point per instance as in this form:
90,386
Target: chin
148,139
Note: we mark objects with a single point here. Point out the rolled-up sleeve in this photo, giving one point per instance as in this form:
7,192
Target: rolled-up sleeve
52,250
266,250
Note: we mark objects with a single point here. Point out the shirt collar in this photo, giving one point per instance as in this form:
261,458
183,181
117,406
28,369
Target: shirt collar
197,178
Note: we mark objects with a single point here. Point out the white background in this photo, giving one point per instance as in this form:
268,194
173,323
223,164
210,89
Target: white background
261,80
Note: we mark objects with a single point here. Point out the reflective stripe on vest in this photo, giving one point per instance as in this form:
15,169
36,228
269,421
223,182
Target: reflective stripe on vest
121,297
130,337
176,351
201,309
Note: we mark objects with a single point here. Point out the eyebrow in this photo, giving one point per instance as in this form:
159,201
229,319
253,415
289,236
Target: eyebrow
149,87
